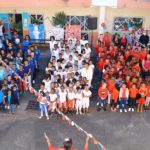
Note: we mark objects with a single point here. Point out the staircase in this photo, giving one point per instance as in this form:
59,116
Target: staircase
32,105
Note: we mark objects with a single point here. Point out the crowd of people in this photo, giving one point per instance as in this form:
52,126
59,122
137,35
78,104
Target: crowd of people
124,71
21,58
68,77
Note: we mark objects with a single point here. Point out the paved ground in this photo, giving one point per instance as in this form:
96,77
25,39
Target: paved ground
24,131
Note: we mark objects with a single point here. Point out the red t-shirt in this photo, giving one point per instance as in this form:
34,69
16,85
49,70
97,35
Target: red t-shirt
50,147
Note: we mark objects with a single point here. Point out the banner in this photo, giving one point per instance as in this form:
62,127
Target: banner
58,33
36,32
25,23
5,20
76,29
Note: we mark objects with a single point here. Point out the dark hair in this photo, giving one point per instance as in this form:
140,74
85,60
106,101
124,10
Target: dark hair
68,144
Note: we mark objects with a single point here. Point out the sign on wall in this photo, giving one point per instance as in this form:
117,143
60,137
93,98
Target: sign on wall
127,23
58,33
76,29
36,31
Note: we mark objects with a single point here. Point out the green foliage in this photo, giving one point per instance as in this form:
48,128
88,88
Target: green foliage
59,19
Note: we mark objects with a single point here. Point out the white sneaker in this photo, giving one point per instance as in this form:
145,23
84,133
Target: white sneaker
121,110
132,109
40,117
112,109
47,118
77,113
125,110
129,109
33,81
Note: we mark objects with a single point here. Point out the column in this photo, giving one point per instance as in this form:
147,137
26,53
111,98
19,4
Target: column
101,18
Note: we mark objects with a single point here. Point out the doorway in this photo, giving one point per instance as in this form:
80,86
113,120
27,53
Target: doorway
15,21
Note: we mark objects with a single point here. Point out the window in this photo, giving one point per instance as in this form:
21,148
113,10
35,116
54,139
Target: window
36,18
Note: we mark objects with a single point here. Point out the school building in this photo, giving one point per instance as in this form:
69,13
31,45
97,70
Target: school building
111,15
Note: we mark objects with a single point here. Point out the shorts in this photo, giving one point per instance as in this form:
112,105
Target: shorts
141,101
62,105
86,103
71,103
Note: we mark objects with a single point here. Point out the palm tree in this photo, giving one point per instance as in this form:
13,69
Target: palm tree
59,19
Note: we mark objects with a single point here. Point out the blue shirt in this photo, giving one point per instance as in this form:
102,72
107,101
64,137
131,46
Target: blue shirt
21,73
31,64
26,69
1,96
9,97
2,73
37,54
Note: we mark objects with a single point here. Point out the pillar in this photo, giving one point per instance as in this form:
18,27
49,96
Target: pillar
101,18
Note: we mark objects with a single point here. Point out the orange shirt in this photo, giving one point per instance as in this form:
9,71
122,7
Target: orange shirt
111,85
115,94
100,65
143,92
143,54
148,89
133,92
103,93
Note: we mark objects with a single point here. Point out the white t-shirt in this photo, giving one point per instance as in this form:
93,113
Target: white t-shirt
51,45
86,94
79,96
88,73
47,84
62,96
88,52
53,97
83,42
71,95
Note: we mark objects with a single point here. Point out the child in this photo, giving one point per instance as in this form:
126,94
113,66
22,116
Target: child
62,99
123,97
15,94
133,91
86,98
53,100
114,99
71,100
43,106
79,99
103,94
11,102
141,101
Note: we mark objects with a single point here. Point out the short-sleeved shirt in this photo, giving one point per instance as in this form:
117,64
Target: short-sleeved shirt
50,147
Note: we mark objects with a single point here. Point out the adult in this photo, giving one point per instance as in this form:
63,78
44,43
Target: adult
146,66
144,39
2,30
67,144
87,72
106,39
52,42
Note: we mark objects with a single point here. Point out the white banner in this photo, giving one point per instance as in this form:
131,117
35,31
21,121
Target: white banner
58,33
111,3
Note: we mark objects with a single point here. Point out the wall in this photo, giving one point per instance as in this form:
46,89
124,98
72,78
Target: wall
126,12
49,12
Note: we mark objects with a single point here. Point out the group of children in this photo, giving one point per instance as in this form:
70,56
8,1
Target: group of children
124,71
21,59
68,77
